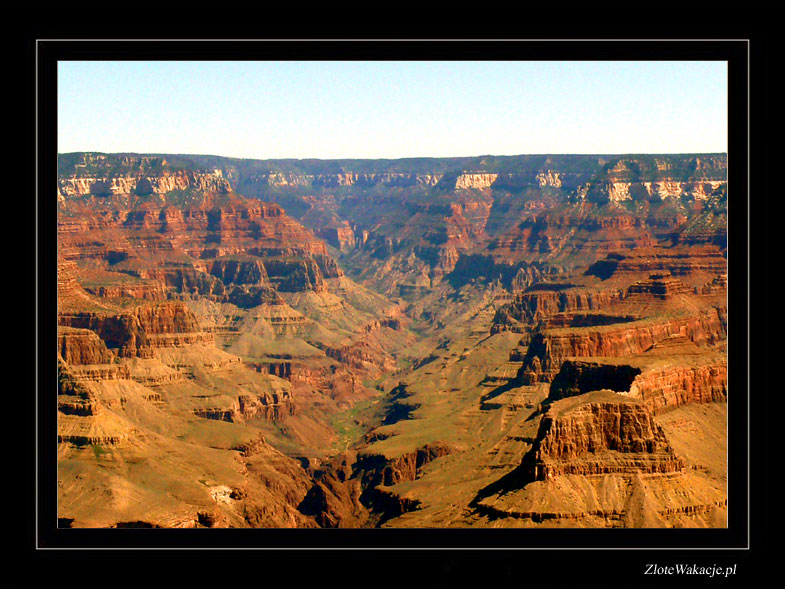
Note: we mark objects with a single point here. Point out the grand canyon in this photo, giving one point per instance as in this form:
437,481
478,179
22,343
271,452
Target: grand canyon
529,341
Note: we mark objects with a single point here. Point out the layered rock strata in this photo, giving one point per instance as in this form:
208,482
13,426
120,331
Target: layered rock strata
661,383
137,332
548,349
679,261
81,346
599,438
601,459
539,302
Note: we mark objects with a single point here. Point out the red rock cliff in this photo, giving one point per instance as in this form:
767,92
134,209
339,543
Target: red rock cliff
548,349
599,438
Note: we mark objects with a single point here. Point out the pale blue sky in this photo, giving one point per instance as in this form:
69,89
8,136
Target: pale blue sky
392,109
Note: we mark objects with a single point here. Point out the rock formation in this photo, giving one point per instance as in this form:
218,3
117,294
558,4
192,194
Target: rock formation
549,348
620,451
599,438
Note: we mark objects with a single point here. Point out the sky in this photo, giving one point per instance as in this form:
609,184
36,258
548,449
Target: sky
392,109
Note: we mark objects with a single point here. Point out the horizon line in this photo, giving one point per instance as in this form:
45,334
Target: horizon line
435,157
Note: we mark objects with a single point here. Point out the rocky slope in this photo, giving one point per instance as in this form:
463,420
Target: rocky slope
605,459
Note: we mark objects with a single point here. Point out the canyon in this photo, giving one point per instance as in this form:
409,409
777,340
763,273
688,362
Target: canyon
496,341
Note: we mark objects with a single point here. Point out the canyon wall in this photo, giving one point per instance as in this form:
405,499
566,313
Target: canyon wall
547,350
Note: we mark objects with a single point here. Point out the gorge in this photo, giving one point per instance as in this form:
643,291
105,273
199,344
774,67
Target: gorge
493,341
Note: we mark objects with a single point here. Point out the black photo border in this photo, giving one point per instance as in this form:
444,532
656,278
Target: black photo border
629,548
